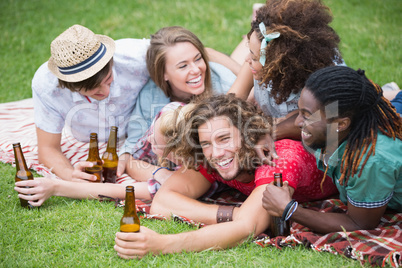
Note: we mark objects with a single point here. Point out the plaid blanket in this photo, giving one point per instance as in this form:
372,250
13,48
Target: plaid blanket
379,247
382,246
17,121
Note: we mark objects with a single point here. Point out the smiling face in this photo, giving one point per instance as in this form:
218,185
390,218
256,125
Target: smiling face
185,71
220,142
102,91
253,59
312,121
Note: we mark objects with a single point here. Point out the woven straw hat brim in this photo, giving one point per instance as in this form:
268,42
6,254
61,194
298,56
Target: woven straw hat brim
110,48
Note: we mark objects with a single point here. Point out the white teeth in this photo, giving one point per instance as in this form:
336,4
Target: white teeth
195,80
223,163
306,134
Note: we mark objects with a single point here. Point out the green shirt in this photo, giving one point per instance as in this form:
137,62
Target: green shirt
381,180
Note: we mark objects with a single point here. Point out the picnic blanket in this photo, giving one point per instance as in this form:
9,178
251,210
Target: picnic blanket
381,246
17,125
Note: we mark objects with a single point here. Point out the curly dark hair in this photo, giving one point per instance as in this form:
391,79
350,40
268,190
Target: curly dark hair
362,101
306,44
246,117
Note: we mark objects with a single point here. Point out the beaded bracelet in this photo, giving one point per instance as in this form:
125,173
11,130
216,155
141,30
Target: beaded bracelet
153,174
287,208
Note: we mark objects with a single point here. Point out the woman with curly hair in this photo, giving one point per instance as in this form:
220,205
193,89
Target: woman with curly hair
357,138
288,41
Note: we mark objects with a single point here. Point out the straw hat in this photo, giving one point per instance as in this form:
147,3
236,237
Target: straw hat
78,54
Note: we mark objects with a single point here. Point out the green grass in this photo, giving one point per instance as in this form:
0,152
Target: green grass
73,233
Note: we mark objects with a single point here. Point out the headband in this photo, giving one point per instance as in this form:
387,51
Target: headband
265,40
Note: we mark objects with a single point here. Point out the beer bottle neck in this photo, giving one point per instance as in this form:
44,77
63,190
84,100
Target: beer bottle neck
19,159
93,150
129,204
112,141
278,180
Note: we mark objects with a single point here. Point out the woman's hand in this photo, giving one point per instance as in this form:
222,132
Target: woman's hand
36,191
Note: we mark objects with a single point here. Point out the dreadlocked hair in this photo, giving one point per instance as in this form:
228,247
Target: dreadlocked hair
307,43
361,100
246,117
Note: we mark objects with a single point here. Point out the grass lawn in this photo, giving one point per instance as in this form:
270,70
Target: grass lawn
80,233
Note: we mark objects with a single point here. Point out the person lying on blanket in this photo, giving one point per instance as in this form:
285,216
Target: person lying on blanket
92,82
89,84
215,142
356,135
43,187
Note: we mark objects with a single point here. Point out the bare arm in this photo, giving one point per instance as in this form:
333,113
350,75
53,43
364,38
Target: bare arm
275,200
249,219
142,171
50,154
223,59
355,219
43,187
178,195
243,83
287,129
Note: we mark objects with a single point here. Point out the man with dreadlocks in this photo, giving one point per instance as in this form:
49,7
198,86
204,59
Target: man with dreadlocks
357,134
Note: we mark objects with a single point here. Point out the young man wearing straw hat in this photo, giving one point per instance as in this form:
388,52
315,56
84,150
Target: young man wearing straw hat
89,84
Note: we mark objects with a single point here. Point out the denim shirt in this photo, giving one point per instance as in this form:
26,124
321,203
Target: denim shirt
152,99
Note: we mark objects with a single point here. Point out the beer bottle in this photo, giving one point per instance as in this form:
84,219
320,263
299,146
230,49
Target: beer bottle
130,222
93,157
110,158
277,226
23,172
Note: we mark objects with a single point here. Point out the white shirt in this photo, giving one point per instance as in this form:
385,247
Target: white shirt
59,109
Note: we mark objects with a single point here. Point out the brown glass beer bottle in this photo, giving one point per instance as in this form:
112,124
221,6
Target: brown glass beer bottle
110,158
277,226
93,157
23,172
130,222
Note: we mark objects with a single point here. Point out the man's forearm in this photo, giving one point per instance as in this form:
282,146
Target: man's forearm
179,193
216,236
181,205
56,160
250,219
323,222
